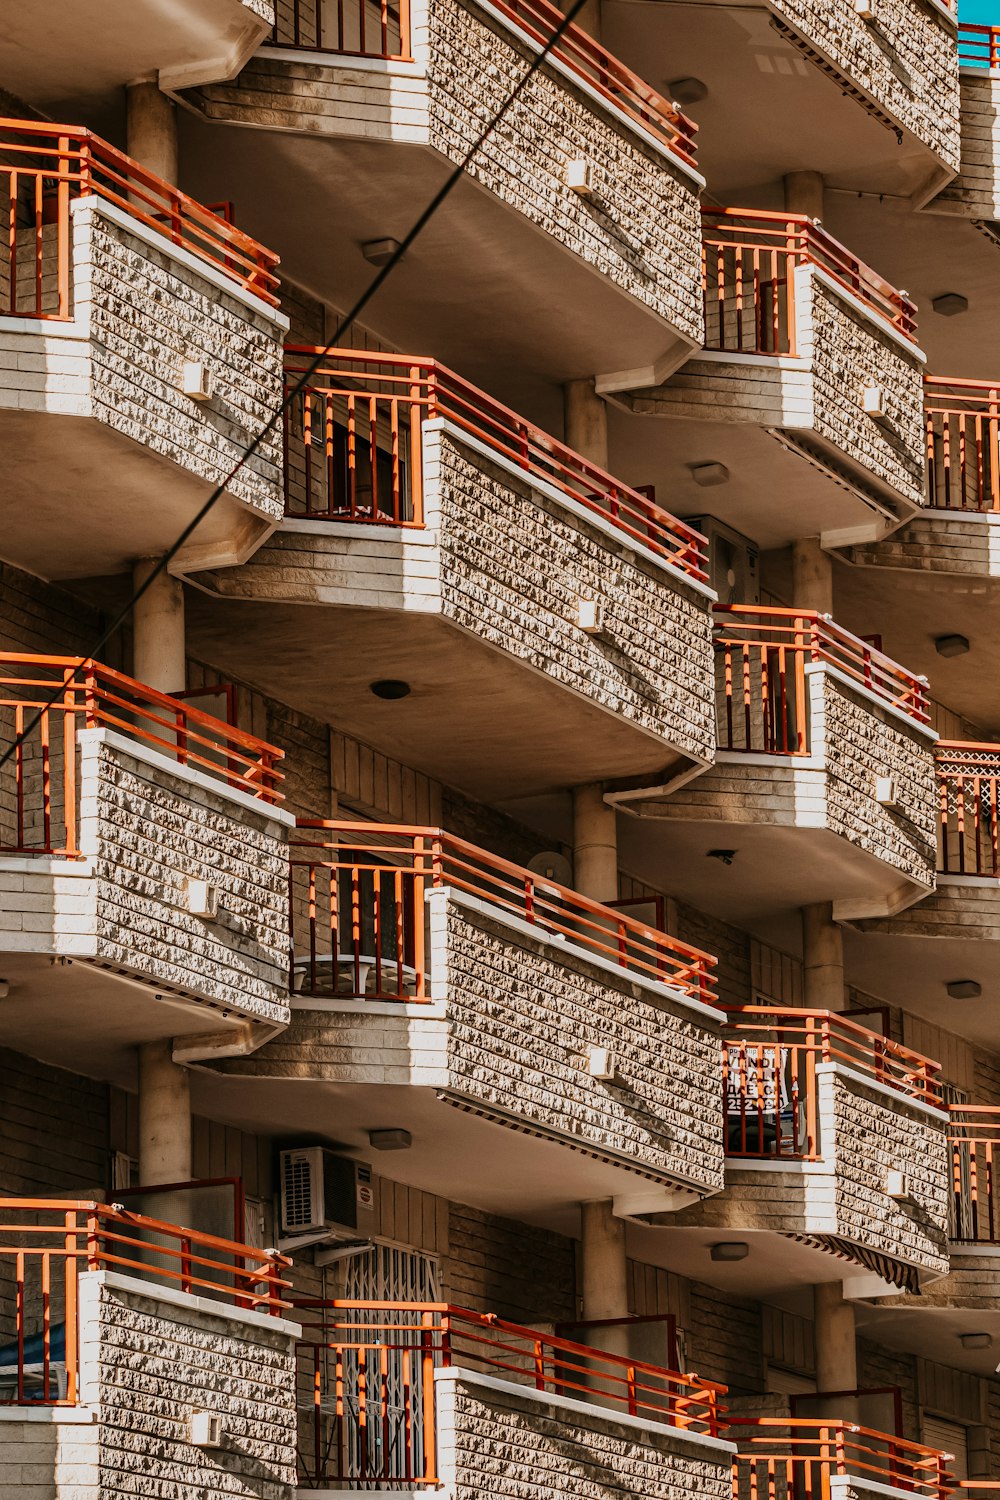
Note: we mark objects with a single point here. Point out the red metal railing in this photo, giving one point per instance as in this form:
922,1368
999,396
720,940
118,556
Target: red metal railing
968,777
357,912
347,28
46,1243
979,46
353,450
44,167
748,263
963,444
769,1063
789,1456
39,785
761,657
374,28
974,1145
366,1384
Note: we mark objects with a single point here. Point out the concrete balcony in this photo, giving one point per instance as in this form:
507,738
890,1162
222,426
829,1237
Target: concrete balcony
836,1158
120,1336
974,194
435,538
143,872
474,1404
499,1018
361,114
833,1458
83,68
808,391
870,100
140,351
823,787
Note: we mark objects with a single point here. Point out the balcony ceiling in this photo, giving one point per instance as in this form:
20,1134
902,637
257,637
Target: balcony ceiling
768,110
915,971
72,62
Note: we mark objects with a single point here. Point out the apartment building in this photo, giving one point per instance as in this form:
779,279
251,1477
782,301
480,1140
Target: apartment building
498,941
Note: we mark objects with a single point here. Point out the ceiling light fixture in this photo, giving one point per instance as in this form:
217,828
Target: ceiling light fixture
725,856
951,645
379,252
730,1250
964,989
950,304
687,90
708,475
391,688
390,1140
976,1340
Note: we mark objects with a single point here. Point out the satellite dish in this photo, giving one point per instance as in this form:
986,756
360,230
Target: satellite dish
551,865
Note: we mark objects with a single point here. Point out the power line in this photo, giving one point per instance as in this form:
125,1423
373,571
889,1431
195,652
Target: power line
454,177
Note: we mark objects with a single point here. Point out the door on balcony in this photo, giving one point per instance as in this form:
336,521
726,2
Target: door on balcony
376,1431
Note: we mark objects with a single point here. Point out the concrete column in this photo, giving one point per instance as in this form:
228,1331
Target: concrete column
595,844
812,576
158,630
164,1117
836,1348
804,193
822,958
604,1273
585,418
151,128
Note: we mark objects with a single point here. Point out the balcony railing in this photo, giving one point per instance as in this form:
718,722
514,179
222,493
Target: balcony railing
968,778
46,1243
963,444
357,904
761,657
748,263
790,1456
978,46
375,28
353,450
974,1146
769,1076
39,790
368,1371
44,167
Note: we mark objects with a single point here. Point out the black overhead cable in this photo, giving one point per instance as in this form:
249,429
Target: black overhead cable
454,177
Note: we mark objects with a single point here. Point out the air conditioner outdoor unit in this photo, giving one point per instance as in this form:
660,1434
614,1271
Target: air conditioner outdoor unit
326,1194
733,561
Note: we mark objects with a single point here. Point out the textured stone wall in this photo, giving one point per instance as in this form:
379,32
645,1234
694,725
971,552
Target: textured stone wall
942,541
147,1363
961,907
907,62
503,1444
513,566
520,1020
860,743
873,1135
848,352
975,192
148,831
148,313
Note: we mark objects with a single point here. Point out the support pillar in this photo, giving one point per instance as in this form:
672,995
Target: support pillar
159,658
812,576
836,1348
595,844
585,419
604,1273
804,193
822,958
151,128
164,1117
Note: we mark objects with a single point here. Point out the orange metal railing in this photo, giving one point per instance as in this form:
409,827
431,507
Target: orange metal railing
43,168
748,263
353,449
366,1384
962,420
357,912
46,1243
769,1063
968,777
761,657
974,1146
790,1456
979,46
375,28
39,789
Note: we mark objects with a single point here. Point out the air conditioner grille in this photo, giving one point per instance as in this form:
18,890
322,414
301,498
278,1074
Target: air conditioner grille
297,1187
